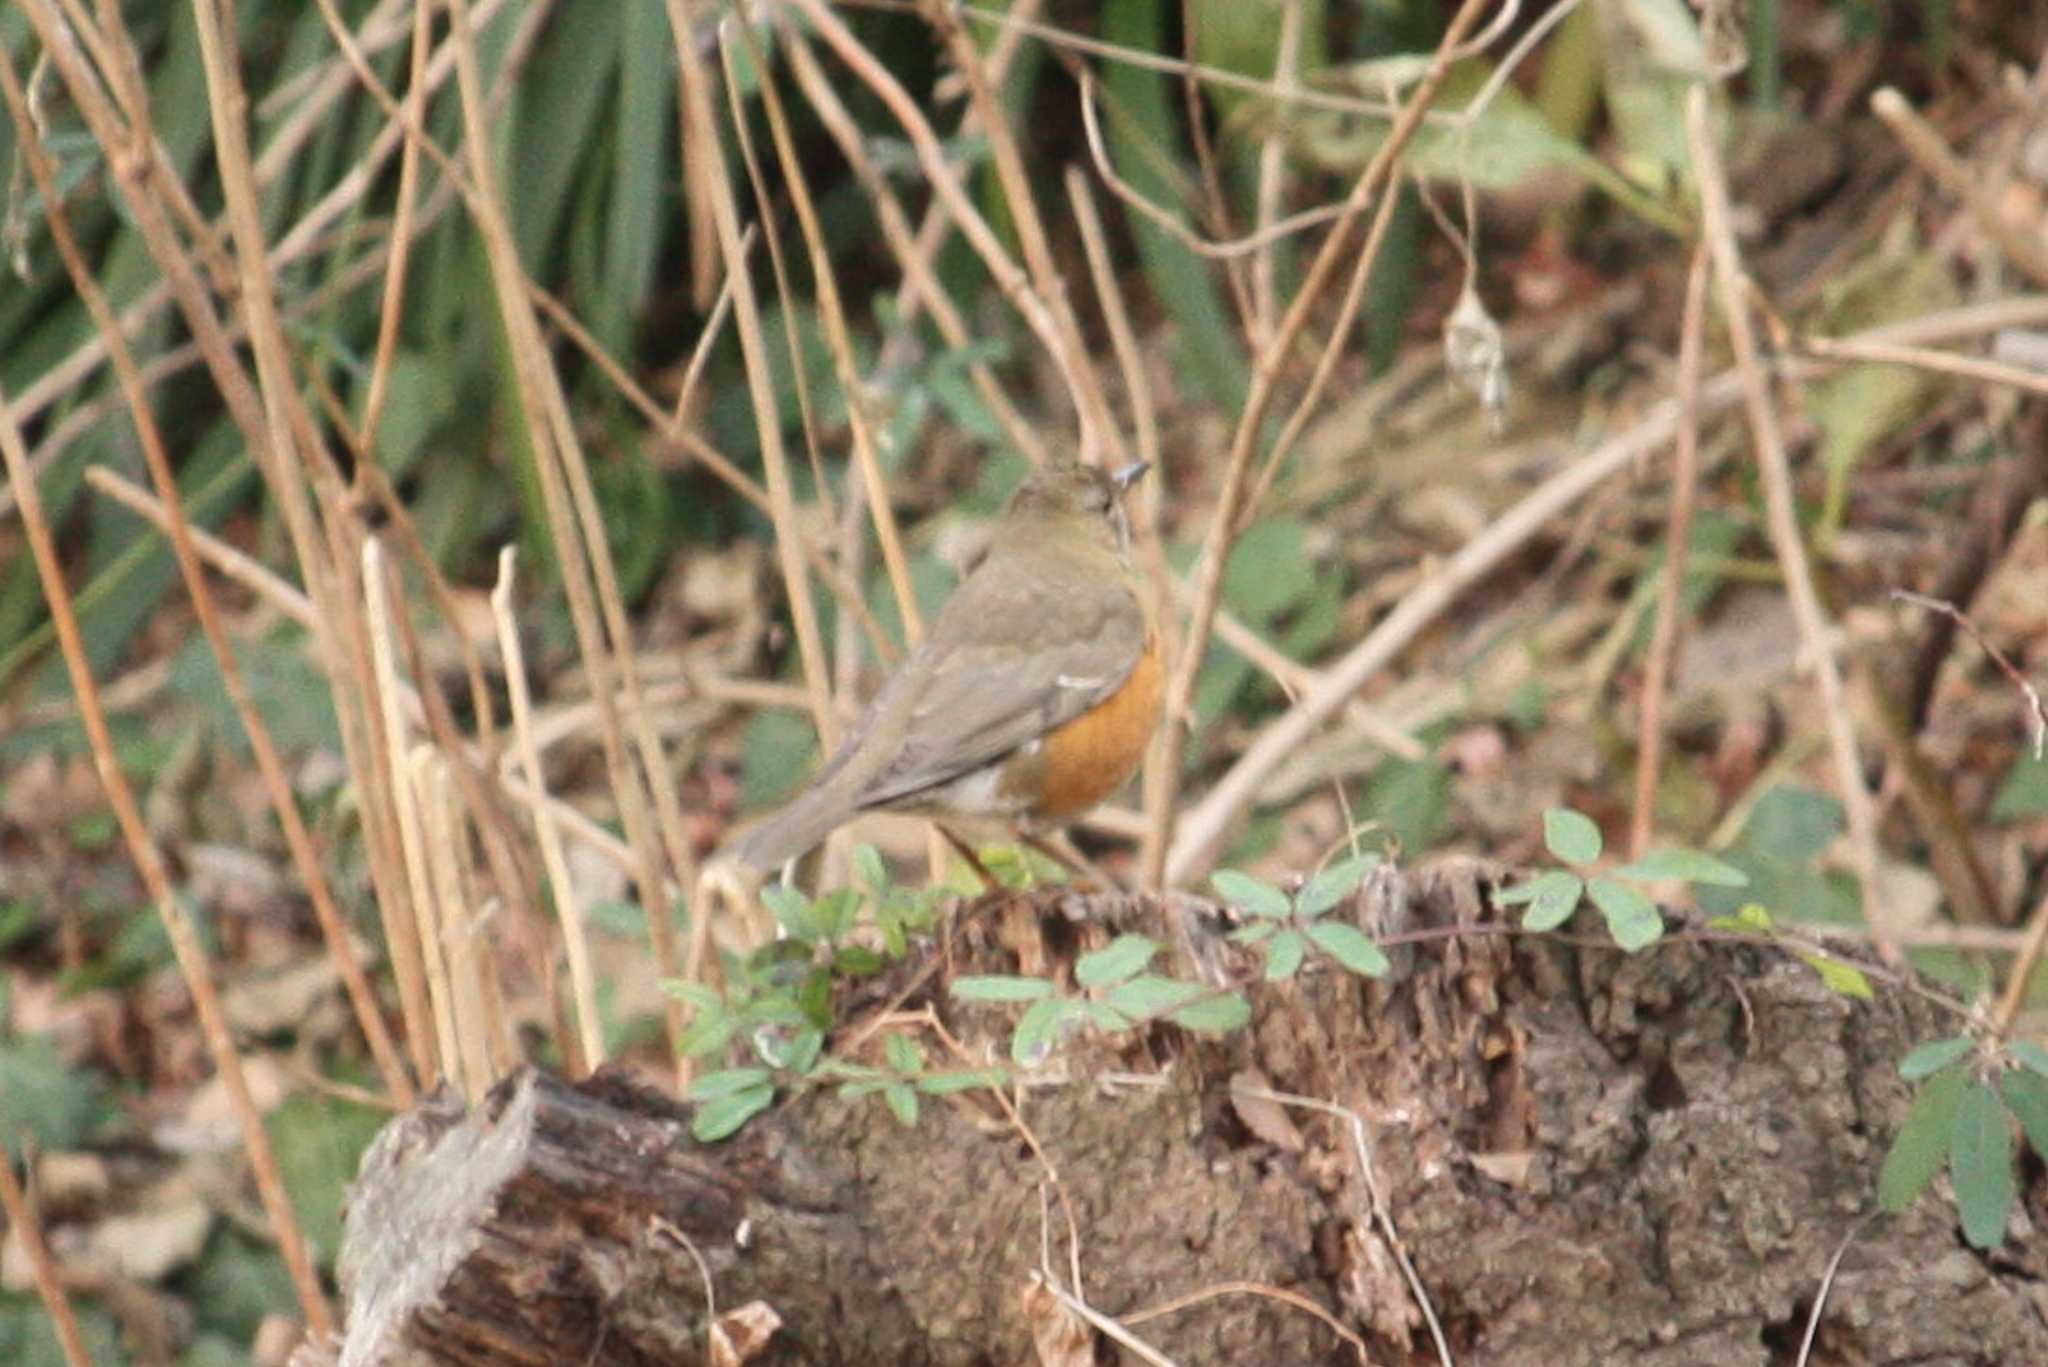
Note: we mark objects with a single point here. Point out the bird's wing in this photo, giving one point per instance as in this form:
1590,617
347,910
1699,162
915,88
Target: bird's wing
1013,655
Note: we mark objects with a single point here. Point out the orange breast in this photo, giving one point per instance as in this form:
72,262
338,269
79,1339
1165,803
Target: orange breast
1082,762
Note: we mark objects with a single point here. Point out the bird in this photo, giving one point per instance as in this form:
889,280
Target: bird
1032,698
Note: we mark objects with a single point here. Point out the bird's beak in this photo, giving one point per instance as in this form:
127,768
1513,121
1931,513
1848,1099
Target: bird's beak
1129,475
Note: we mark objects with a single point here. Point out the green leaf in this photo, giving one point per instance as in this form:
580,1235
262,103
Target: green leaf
1041,1028
1684,866
2023,793
1980,1162
1751,918
1922,1142
1214,1015
1842,979
1571,836
868,866
1253,933
1925,1060
1115,961
903,1054
707,1034
715,1120
901,1099
1336,883
1106,1018
319,1143
1146,997
2026,1096
1269,570
966,1080
1284,955
799,1054
855,961
1351,947
1000,987
44,1100
1253,895
1793,824
727,1081
792,910
2028,1054
835,913
1553,896
699,995
1632,918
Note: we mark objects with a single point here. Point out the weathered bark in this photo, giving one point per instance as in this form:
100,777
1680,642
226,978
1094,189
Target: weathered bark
1590,1158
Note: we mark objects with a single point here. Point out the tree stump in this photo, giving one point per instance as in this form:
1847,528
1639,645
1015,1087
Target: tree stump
1588,1157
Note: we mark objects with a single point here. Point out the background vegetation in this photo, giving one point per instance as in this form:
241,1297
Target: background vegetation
1463,425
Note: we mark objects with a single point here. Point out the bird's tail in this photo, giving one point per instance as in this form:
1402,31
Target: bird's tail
793,831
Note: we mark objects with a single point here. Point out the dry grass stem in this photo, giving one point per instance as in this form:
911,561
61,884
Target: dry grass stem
2020,245
1928,358
568,902
1781,508
25,1230
701,124
1685,481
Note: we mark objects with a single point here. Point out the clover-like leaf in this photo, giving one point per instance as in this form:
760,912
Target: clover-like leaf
1552,895
1925,1060
901,1099
1217,1015
1256,896
1922,1143
1842,979
961,1080
1571,836
1684,866
2028,1054
1335,883
716,1119
1980,1164
2026,1096
1351,947
1284,955
1115,961
1000,987
1632,917
1149,996
1044,1024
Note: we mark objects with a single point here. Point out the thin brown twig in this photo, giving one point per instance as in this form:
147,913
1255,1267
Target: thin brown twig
2018,244
1685,481
1261,1289
391,310
2037,719
1782,515
25,1227
568,902
1927,358
1231,249
2014,997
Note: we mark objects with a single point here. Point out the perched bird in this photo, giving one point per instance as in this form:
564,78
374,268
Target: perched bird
1032,698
